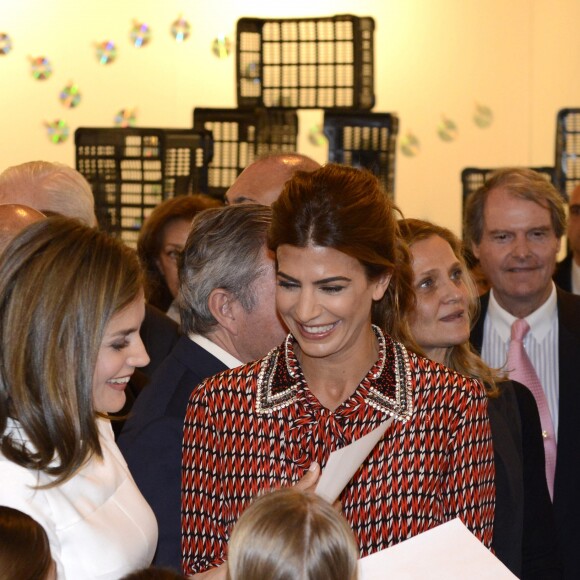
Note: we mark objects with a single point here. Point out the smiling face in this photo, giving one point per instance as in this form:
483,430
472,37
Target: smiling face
325,299
120,353
518,251
441,318
174,237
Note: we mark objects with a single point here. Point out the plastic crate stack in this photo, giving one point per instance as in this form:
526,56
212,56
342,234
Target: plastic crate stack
242,135
283,65
567,150
132,170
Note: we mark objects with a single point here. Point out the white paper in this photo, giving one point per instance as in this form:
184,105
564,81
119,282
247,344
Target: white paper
343,463
448,552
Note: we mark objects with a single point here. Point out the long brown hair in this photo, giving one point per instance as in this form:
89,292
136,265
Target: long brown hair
346,209
60,284
462,357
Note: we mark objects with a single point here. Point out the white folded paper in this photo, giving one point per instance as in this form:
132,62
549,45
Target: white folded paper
448,552
343,463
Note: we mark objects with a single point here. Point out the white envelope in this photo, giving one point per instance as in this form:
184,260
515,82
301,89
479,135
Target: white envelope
448,552
343,463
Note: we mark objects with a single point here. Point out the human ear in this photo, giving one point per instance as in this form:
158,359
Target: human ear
221,304
380,285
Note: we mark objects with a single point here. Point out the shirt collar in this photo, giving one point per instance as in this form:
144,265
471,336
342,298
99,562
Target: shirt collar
222,355
388,384
540,321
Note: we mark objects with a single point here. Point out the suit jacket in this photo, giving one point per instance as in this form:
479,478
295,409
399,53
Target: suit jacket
152,436
563,274
567,477
159,334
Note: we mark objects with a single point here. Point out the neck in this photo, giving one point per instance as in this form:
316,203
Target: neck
438,354
334,379
223,339
520,307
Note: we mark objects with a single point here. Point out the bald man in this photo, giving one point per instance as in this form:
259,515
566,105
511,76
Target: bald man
567,274
262,181
13,218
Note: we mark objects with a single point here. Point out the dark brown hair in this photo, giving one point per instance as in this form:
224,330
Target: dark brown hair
60,284
149,244
24,547
346,209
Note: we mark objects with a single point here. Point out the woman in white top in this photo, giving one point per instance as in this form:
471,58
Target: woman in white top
71,304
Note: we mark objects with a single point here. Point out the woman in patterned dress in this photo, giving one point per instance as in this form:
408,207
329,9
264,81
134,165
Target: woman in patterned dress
344,291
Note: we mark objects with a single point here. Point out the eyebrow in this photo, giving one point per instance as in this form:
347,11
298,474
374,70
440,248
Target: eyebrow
321,282
123,332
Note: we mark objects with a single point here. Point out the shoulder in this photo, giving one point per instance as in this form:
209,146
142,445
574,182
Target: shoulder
230,382
429,373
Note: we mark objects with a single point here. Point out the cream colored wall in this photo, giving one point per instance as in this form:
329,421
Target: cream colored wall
433,58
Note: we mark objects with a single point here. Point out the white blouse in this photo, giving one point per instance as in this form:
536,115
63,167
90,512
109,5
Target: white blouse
98,523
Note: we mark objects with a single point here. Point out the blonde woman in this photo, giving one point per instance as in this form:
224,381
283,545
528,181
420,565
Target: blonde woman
291,534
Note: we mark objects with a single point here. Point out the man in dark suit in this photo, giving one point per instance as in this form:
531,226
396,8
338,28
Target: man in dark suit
228,315
567,274
514,224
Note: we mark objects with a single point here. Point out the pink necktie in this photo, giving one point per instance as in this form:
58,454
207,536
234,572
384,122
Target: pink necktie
521,369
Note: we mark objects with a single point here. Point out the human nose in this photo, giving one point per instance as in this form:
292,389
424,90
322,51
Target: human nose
307,306
521,248
452,291
138,356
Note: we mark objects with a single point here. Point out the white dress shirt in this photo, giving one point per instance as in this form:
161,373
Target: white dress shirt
541,344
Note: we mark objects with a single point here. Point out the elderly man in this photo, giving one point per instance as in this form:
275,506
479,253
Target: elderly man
262,181
52,188
13,218
515,223
567,274
228,314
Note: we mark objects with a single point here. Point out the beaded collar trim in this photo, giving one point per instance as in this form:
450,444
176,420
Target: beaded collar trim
387,386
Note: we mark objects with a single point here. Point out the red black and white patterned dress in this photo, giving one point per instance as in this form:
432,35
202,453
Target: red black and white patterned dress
259,426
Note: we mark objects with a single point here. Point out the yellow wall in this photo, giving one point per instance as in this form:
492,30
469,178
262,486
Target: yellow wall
433,58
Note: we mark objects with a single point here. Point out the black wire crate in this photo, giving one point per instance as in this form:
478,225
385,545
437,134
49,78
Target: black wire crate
240,136
307,63
472,178
568,151
364,139
132,170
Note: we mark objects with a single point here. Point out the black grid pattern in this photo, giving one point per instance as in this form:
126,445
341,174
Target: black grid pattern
568,150
364,139
240,136
132,170
308,63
